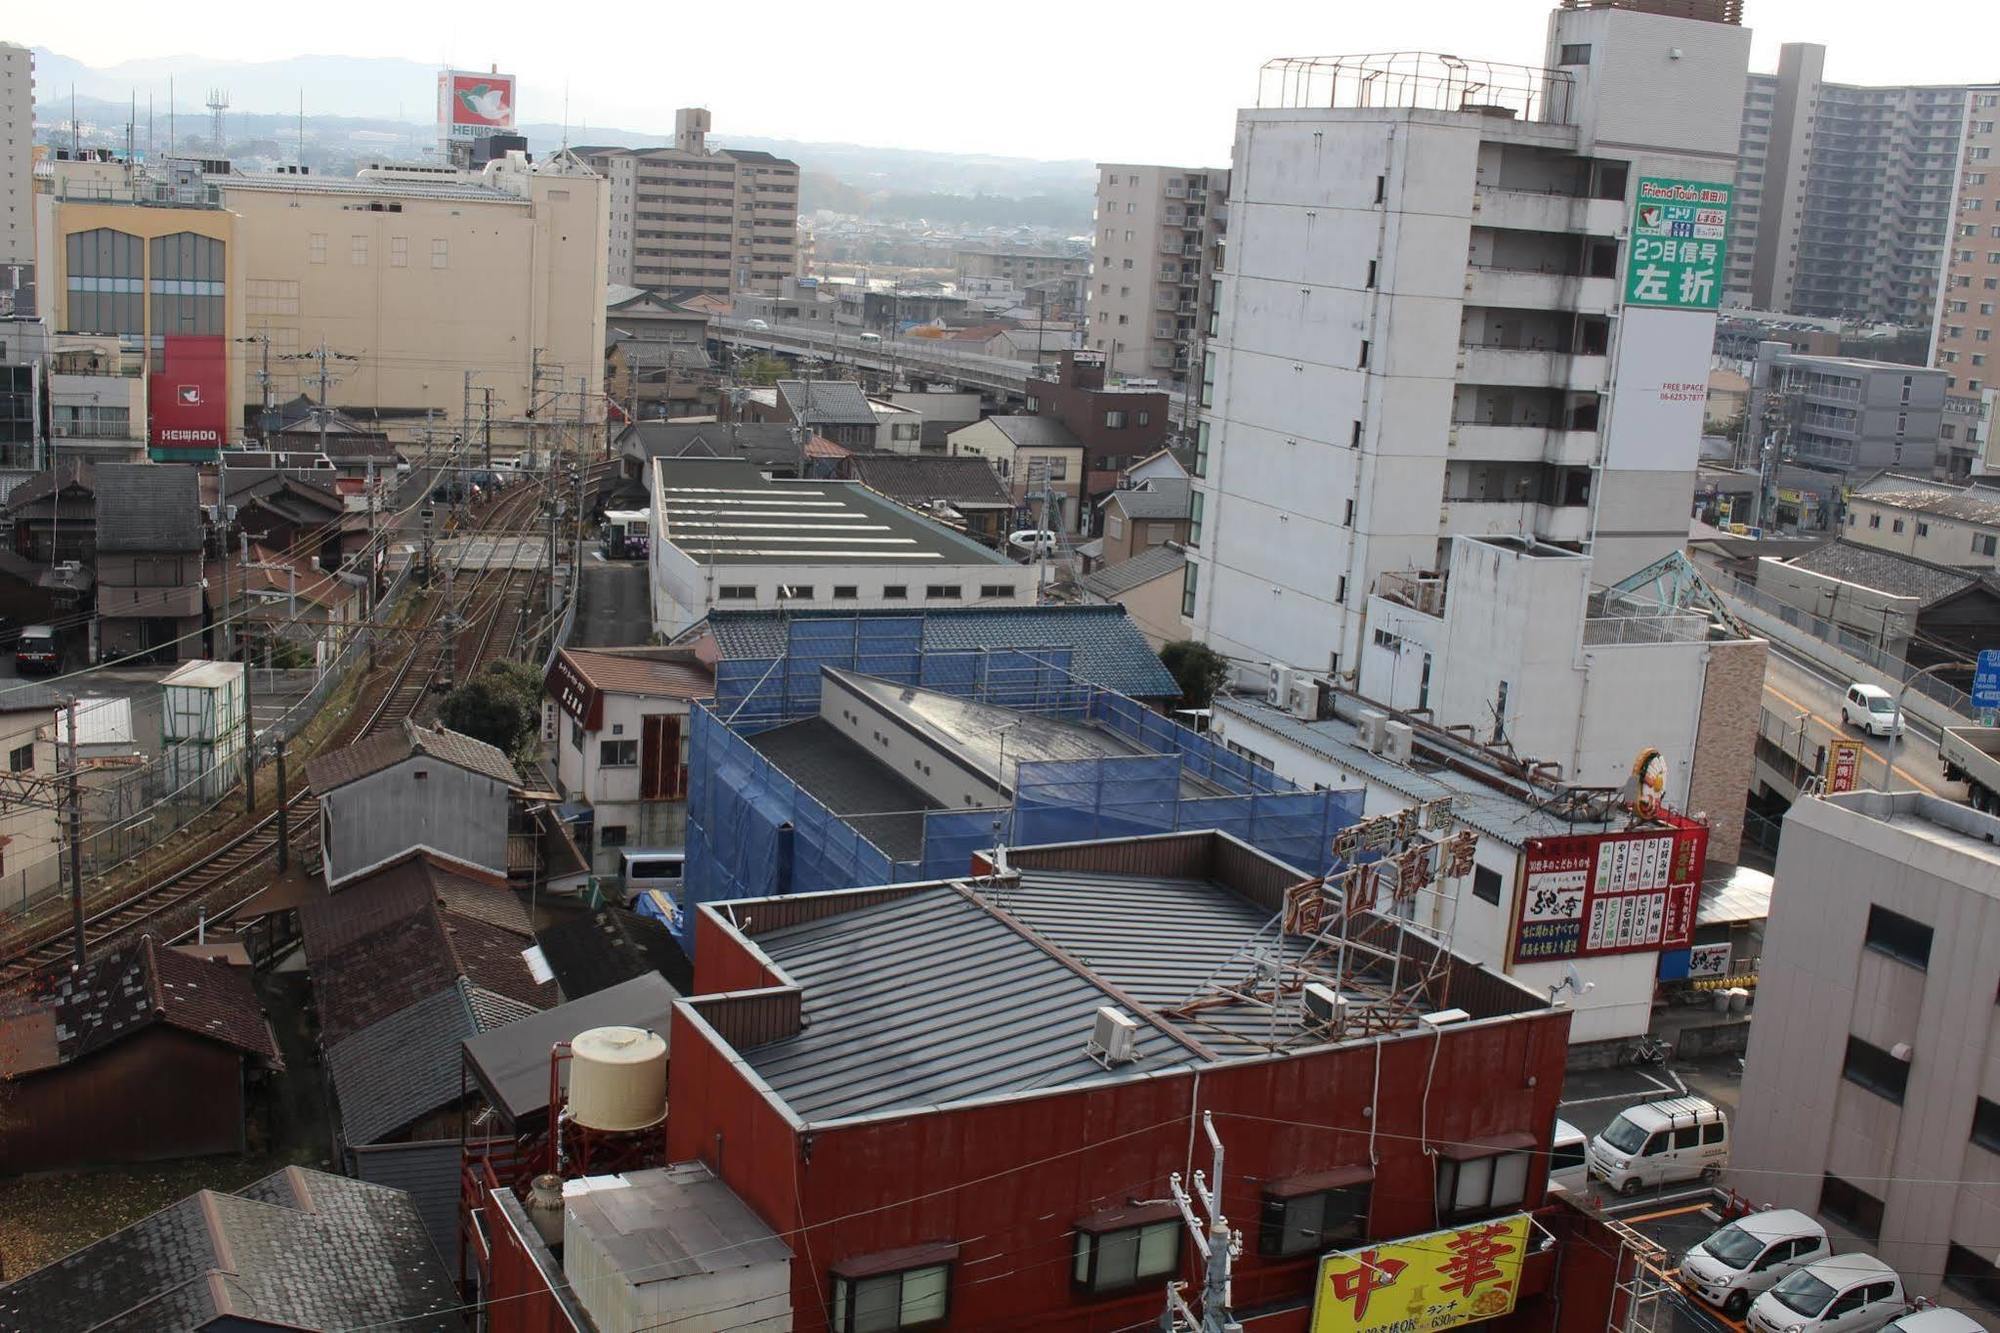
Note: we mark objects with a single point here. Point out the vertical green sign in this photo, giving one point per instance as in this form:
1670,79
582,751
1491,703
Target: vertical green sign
1680,242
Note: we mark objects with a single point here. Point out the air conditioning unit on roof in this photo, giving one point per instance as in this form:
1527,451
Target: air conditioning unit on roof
1396,738
1278,690
1370,729
1114,1038
1324,1006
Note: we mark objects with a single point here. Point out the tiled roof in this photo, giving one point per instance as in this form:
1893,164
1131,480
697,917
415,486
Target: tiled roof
1884,571
1159,498
299,1249
1036,432
380,751
40,485
1153,563
145,983
766,444
667,673
818,446
1106,648
609,946
398,1070
1969,504
827,402
917,478
148,507
276,573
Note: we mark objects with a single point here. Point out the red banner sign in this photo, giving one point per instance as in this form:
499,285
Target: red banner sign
188,398
471,105
1609,893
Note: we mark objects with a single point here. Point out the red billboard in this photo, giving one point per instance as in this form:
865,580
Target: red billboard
1607,893
472,105
188,398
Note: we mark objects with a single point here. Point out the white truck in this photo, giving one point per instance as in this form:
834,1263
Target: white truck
1972,755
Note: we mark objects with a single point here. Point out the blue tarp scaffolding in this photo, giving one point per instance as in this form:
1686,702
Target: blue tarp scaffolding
753,832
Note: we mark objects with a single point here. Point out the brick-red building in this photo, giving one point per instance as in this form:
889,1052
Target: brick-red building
1118,426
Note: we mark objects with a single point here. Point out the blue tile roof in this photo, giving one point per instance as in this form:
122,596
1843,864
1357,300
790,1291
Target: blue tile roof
1106,648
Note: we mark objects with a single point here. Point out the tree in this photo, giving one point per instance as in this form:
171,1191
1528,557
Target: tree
1197,668
501,706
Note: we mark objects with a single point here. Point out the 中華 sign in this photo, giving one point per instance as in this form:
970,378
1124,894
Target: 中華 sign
1423,1283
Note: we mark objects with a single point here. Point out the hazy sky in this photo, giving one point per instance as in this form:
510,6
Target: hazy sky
1133,82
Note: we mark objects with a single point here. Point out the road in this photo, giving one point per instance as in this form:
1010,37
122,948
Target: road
1795,686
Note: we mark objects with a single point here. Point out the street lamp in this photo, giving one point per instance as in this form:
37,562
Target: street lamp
1896,718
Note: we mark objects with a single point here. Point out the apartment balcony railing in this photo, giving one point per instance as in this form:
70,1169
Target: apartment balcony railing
1418,80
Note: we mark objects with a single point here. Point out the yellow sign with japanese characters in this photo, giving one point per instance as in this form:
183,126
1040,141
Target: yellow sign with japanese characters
1425,1283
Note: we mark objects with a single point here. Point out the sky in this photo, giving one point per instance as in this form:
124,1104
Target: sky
1156,82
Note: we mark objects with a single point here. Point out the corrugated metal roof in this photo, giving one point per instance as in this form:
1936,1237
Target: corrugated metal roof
1035,432
1153,499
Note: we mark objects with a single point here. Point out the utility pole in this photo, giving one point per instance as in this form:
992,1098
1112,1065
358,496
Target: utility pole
486,424
368,567
465,416
249,699
75,842
1219,1246
284,814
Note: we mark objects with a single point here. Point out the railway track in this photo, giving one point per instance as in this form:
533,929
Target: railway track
172,903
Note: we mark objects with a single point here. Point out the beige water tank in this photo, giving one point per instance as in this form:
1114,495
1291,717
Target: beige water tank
618,1079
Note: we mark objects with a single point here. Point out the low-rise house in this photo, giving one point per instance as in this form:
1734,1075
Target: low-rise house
53,514
149,561
146,1054
609,946
651,377
1951,525
1143,515
963,492
298,1250
412,788
31,838
286,510
1149,587
1929,614
269,597
837,409
621,742
1038,458
773,448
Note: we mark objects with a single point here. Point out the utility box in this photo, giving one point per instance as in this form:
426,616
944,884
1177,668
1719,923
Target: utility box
201,729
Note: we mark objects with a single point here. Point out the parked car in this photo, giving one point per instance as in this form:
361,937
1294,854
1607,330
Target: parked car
37,651
1870,709
1567,1150
1035,541
1660,1143
757,326
1751,1255
1844,1293
645,868
1934,1319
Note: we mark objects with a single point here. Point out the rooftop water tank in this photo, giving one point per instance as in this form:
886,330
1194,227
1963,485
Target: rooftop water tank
618,1079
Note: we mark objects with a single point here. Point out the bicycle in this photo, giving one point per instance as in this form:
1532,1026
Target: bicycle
1646,1049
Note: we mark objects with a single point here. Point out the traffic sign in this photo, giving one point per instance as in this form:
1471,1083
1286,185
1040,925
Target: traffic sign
1986,681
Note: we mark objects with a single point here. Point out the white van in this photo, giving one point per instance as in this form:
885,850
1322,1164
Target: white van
1747,1258
1935,1319
1660,1143
1567,1148
642,868
1847,1293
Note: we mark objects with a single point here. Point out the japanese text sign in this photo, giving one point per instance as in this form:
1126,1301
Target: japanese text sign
1435,1281
1986,680
1680,243
1608,893
1843,767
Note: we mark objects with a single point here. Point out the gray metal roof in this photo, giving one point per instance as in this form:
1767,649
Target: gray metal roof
674,1222
1036,432
1157,498
513,1061
402,1068
850,782
726,512
1884,571
916,478
148,507
767,444
1153,563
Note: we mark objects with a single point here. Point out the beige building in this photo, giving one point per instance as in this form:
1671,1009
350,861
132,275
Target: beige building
17,159
1035,457
1967,335
695,218
1871,1094
1157,249
1947,525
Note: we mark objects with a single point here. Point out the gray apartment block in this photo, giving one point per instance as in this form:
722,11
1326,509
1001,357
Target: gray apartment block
1843,194
1844,414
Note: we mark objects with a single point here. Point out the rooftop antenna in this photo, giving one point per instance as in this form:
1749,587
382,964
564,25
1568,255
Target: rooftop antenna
170,115
149,127
302,127
75,133
565,143
218,102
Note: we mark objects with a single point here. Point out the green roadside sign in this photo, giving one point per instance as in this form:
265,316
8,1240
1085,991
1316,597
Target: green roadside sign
1680,244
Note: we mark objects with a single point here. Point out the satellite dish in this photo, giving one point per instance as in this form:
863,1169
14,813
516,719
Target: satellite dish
1576,981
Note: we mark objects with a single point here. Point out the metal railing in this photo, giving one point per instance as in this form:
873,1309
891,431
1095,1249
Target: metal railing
1599,631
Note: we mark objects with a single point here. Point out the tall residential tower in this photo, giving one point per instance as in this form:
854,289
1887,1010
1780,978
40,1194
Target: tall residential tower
1153,264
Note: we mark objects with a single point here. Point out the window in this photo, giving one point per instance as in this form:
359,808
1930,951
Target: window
1854,1208
1340,590
1314,1215
1875,1069
576,733
22,759
1195,501
618,754
1898,936
1348,522
996,590
1896,525
1381,189
1207,380
1142,418
1982,545
1354,437
1189,574
1114,526
736,592
316,248
1874,520
440,252
1114,421
1575,53
895,592
1372,266
1200,468
795,592
1986,1124
1486,885
1967,1272
1923,528
611,835
358,250
946,591
1362,362
399,252
1481,1186
1112,1260
1500,714
911,1298
1058,468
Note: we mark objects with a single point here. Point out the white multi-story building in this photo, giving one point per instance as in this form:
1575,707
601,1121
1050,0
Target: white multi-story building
1423,327
17,157
1153,263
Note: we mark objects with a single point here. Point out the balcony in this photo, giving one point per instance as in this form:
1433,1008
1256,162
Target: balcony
1526,368
1523,444
1535,210
1529,289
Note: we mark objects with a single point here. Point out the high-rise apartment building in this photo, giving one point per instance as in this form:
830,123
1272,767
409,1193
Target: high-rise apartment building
1482,305
1871,1096
17,157
700,219
1843,193
1966,337
1157,248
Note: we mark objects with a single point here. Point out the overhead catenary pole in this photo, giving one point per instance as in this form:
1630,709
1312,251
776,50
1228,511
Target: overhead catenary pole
249,700
284,815
75,842
368,566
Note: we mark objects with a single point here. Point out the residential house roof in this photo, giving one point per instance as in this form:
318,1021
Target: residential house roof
1158,498
1106,648
662,673
915,479
766,444
1968,504
146,507
818,446
827,402
127,991
1155,562
69,472
299,1249
1036,432
512,1062
1884,571
400,1069
608,947
384,749
277,574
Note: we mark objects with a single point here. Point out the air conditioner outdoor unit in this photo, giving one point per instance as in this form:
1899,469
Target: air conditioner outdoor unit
1279,691
1396,738
1371,726
1114,1038
1325,1007
1304,702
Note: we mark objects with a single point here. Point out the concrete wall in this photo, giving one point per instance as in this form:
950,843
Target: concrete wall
1819,984
944,775
1725,743
1885,618
378,818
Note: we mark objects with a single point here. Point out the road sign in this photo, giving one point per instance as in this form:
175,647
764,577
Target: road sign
1986,680
1680,244
1843,767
